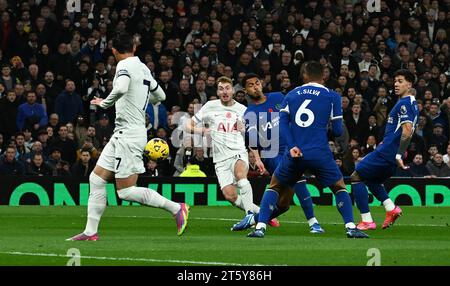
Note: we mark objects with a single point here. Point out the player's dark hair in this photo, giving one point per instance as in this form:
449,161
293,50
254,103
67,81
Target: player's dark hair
247,77
123,43
409,76
314,70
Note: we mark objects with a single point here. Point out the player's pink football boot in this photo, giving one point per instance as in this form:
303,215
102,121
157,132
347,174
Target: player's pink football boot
82,236
182,218
364,225
392,216
274,223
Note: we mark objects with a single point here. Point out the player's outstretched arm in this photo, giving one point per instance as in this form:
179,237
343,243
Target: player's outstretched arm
407,132
120,87
337,124
191,128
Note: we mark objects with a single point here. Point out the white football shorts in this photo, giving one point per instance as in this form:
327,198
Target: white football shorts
225,169
123,156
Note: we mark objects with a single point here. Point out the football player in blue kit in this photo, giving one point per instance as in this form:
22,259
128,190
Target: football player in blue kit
382,163
304,117
262,117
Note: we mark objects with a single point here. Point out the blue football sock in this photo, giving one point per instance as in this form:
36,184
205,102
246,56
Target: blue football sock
305,199
361,196
267,207
378,191
344,205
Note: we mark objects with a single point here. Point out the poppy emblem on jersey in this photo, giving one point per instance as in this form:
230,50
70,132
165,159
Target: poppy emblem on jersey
228,115
270,110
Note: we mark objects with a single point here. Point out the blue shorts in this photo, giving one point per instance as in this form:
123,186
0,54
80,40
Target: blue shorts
375,169
290,170
271,163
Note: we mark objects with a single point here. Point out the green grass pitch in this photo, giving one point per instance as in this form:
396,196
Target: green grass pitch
33,235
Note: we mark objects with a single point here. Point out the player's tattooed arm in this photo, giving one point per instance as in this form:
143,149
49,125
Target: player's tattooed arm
407,131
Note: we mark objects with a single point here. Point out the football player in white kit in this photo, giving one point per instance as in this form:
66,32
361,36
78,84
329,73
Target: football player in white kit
133,88
225,118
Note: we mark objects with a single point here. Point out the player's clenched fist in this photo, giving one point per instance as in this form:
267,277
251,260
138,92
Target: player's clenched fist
295,152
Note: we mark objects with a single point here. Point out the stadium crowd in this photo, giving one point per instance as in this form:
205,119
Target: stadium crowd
53,62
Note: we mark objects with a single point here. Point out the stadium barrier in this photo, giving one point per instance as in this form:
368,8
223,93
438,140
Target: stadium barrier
58,191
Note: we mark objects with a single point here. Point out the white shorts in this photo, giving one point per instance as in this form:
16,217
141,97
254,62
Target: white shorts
225,169
123,156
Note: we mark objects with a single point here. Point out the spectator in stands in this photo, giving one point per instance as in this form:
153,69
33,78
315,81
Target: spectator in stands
87,145
8,114
9,165
446,157
68,104
417,168
102,129
37,166
84,166
31,115
437,167
350,159
65,145
206,164
151,169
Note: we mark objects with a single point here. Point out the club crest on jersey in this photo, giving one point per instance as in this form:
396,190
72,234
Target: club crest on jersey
403,109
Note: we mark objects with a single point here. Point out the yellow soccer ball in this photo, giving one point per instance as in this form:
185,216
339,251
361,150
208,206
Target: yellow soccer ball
156,149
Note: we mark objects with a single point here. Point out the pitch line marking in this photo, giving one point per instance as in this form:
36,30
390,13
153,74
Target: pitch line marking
134,259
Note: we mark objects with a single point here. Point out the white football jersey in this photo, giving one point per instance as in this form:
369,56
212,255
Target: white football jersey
227,140
131,106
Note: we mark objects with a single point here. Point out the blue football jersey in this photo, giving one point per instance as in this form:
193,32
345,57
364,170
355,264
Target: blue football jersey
405,110
310,108
262,130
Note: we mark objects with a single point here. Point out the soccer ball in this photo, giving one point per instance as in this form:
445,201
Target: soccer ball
156,149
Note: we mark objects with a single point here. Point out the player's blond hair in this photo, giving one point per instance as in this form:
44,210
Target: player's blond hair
224,79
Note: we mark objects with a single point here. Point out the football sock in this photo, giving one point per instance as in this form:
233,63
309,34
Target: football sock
238,202
361,196
96,203
246,195
367,217
380,193
312,221
388,205
305,199
344,206
149,198
268,204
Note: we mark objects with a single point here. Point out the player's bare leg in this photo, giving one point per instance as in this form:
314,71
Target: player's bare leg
127,190
96,203
345,208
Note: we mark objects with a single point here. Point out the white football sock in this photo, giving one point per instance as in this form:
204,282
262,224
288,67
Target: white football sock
260,225
388,205
312,221
238,202
247,195
367,217
350,225
96,203
149,198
